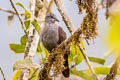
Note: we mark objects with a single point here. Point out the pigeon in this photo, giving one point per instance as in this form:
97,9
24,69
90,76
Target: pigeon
51,35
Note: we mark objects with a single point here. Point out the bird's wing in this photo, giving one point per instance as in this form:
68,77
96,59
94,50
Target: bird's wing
62,35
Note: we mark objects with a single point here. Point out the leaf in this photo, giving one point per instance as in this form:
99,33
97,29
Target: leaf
18,3
27,24
44,50
102,70
27,13
36,25
43,59
86,73
39,50
23,40
76,54
113,33
25,63
17,48
109,52
77,59
72,49
10,19
16,75
97,60
81,74
35,76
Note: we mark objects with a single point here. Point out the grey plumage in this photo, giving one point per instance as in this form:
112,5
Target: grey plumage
49,36
52,35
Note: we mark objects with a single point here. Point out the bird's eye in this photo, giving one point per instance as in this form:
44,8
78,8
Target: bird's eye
51,16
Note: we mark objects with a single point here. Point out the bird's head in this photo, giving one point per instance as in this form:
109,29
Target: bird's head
51,18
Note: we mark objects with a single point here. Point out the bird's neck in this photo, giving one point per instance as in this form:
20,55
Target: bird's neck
50,22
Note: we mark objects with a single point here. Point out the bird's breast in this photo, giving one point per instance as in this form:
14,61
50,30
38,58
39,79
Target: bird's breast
50,37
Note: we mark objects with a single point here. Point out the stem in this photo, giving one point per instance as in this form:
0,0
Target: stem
23,26
88,63
2,73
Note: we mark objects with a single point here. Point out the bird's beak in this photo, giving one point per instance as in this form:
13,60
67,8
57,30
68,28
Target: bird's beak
57,20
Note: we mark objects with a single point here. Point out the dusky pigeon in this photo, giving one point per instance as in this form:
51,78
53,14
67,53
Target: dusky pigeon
51,36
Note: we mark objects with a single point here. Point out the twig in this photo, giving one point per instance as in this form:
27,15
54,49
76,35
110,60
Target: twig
64,15
88,63
10,11
114,69
2,73
32,42
87,42
100,5
33,74
23,26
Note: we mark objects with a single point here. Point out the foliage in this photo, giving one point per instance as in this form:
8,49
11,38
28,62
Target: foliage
81,74
112,39
27,13
33,77
25,63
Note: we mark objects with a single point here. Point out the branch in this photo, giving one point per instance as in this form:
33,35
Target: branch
88,62
33,36
32,42
70,27
64,15
38,9
10,11
23,26
2,73
113,70
33,74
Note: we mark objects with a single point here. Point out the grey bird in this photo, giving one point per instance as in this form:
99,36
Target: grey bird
52,35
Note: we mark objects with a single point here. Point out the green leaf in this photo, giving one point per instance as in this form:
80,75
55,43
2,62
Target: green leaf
25,63
39,50
44,50
16,75
77,59
97,60
81,74
100,70
27,24
36,25
76,54
18,3
103,70
17,48
27,13
35,76
23,40
72,49
43,59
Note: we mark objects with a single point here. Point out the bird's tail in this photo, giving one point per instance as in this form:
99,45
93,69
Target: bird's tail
66,71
